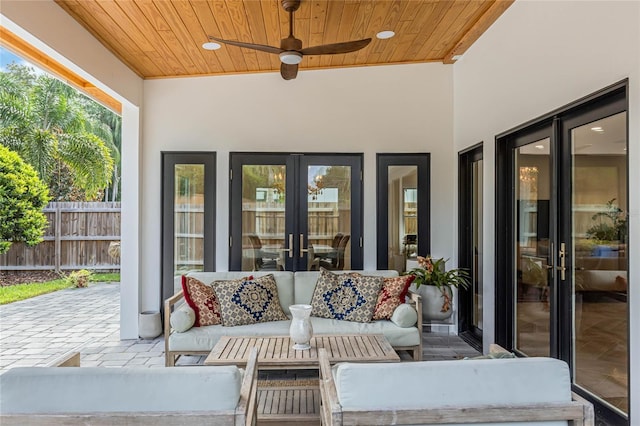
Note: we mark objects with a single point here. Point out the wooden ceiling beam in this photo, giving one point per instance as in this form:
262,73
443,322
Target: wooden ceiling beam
20,47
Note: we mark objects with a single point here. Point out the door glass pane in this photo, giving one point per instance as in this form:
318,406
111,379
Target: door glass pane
532,193
599,234
329,217
476,275
402,216
263,217
189,218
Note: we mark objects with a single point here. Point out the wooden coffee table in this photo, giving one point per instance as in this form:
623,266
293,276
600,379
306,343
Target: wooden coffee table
297,402
276,352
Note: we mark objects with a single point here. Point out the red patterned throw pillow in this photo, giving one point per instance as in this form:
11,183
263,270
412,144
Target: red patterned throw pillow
392,295
202,299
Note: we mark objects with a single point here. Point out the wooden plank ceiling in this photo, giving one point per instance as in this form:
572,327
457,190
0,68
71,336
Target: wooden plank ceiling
163,38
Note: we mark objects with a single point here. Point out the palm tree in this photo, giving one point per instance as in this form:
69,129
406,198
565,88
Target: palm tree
44,121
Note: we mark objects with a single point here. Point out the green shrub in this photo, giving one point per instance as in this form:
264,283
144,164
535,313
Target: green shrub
22,198
79,278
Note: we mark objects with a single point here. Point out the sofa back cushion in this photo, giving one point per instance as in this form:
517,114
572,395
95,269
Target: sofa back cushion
284,282
431,384
50,390
305,282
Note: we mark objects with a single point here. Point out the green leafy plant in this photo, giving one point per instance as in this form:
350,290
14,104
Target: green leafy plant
611,224
79,279
433,272
22,197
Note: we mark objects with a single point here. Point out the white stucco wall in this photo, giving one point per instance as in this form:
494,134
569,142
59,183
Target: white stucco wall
537,57
363,110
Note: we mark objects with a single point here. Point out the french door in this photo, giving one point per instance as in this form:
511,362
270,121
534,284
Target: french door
295,212
562,264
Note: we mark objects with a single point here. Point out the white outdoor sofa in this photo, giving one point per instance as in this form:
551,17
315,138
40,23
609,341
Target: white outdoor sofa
293,288
504,392
74,395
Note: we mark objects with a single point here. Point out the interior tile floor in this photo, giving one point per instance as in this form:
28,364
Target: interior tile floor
36,331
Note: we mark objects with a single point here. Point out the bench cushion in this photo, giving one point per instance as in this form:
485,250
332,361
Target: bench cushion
42,390
440,384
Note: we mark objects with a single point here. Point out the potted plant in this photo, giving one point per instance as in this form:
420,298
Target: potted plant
437,293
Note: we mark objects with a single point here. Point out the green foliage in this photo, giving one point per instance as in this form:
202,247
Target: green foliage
79,279
68,139
22,198
611,224
14,293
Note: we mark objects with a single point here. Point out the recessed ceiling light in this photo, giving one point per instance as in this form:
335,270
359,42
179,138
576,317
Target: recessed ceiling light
456,57
382,35
597,129
540,146
210,46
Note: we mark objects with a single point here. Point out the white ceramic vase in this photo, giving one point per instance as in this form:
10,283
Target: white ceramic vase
149,325
301,329
432,301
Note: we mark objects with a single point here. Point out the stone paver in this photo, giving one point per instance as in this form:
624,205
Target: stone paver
36,331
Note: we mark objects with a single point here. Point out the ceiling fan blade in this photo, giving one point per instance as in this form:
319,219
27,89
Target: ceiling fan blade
288,72
260,47
332,49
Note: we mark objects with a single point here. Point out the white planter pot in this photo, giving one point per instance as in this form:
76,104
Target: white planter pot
432,301
301,329
149,325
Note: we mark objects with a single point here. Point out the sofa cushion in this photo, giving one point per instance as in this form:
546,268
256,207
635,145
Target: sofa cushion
393,294
397,336
37,390
404,316
453,383
183,318
284,281
249,301
305,282
202,299
347,297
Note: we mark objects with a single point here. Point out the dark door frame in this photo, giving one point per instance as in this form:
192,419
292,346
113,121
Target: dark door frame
169,159
600,104
294,163
466,158
423,163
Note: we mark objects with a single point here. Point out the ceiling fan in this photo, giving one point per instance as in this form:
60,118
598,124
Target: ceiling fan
291,51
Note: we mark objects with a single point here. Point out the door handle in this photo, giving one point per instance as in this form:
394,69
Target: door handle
562,254
290,249
302,250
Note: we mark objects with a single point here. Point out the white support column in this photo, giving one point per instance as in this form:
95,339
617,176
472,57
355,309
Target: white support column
130,283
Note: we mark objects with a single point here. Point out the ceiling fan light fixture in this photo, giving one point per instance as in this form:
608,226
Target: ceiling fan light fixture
291,57
383,35
210,46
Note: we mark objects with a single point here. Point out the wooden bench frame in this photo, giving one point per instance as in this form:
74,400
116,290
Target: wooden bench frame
245,413
579,412
171,357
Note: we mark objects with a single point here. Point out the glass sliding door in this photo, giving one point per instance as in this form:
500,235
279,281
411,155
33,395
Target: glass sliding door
295,212
598,291
188,216
561,255
403,210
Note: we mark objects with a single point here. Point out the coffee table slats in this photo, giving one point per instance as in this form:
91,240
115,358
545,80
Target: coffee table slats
277,351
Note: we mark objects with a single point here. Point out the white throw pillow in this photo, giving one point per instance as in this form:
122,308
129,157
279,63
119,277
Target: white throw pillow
404,316
183,318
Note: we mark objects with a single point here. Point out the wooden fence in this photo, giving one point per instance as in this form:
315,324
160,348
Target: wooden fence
78,237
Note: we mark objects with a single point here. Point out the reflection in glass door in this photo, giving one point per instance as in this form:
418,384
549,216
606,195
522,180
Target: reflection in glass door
297,212
532,187
599,241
